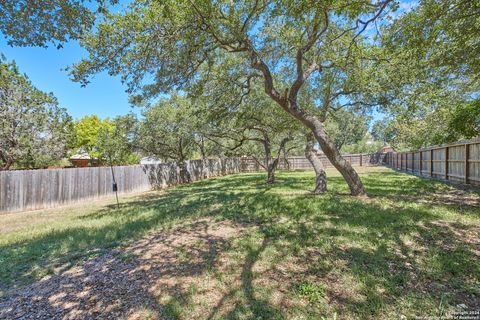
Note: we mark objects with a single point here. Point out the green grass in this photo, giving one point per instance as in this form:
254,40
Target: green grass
411,248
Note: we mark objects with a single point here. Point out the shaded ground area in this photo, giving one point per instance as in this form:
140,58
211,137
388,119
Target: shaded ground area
235,248
128,282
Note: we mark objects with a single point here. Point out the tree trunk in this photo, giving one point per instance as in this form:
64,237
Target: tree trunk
342,165
288,102
271,173
329,149
8,161
269,164
321,176
285,157
185,176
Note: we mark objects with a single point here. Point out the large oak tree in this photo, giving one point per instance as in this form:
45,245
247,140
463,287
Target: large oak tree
158,46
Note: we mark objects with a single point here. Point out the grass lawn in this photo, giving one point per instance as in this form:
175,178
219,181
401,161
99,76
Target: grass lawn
233,247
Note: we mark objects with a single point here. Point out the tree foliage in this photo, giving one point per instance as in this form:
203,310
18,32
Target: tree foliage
34,131
346,127
168,129
116,142
441,34
466,120
159,46
256,128
87,133
431,74
41,22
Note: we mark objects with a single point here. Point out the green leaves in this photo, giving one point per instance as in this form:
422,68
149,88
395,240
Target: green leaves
445,34
466,119
39,23
87,131
34,131
116,141
168,129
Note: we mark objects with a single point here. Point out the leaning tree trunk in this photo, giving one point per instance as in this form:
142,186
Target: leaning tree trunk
329,149
342,165
288,102
320,175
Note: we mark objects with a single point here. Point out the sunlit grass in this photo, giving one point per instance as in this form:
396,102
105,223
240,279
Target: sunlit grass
407,249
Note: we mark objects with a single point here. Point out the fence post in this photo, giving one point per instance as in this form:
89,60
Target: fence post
361,156
421,162
413,162
446,163
467,155
431,163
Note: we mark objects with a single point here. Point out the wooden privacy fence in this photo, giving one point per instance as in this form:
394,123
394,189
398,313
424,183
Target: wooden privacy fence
22,190
293,163
36,189
458,162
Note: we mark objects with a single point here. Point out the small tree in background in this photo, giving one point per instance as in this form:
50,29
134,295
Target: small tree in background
116,142
346,127
168,131
87,133
251,126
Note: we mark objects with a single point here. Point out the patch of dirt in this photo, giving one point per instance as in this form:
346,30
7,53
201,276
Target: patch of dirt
136,282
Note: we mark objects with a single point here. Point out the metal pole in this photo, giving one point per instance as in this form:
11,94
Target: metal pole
115,187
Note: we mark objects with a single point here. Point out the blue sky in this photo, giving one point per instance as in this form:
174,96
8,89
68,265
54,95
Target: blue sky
104,96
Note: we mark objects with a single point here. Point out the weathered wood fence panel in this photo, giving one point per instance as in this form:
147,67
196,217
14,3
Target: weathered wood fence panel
22,190
459,162
294,163
35,189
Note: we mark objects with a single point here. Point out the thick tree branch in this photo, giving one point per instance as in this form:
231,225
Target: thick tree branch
303,75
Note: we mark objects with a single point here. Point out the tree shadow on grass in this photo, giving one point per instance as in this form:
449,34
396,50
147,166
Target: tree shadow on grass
142,281
394,254
24,261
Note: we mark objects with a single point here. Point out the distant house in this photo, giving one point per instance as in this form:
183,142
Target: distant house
83,160
150,160
386,149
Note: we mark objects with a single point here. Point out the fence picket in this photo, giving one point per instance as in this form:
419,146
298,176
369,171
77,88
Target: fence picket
22,190
458,162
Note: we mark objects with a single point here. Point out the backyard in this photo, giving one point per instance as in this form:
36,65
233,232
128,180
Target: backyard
235,247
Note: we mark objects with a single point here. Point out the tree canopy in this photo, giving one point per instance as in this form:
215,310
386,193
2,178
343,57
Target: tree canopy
157,47
87,133
325,64
34,131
